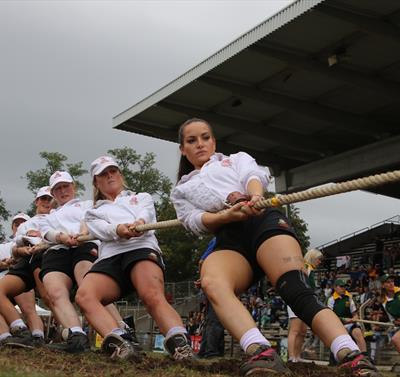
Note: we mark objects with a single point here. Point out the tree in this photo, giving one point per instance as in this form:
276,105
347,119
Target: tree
4,215
54,161
300,226
140,174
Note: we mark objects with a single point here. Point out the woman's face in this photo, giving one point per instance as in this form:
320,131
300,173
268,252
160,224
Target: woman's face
198,143
63,192
109,182
43,204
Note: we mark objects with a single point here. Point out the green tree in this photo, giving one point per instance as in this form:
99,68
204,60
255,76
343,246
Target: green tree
300,226
54,161
181,248
140,173
4,215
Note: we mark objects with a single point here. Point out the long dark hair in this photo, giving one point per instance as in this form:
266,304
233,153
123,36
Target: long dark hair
185,166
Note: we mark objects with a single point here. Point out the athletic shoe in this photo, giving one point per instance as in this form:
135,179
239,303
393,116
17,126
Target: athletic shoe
360,365
132,334
38,341
179,347
21,338
265,359
121,347
77,342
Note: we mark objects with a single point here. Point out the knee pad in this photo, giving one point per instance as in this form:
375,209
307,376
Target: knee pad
294,288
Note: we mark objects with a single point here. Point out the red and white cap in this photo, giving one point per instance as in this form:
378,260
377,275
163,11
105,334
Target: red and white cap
99,164
60,176
20,215
44,191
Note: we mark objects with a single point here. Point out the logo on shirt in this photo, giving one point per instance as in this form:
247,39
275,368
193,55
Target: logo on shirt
133,200
77,205
226,162
283,224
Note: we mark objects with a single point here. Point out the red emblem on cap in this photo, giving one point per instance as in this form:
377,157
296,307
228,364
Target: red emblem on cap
57,174
104,159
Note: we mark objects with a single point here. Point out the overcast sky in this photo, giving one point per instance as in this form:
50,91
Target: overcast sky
67,68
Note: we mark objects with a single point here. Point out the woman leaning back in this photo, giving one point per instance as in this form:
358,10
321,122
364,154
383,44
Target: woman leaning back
128,260
250,243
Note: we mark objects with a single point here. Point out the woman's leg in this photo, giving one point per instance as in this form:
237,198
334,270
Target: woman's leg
41,289
58,286
358,336
281,254
296,335
224,274
95,291
26,302
396,340
148,280
10,286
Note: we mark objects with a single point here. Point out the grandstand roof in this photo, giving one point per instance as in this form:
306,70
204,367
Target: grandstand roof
313,92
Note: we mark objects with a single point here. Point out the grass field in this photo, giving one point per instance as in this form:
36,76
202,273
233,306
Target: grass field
46,363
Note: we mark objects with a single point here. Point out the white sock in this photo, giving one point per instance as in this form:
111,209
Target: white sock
175,330
38,333
253,336
18,323
343,341
122,325
118,331
4,335
77,329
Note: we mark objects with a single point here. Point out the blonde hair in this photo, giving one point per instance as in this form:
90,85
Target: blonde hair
98,195
312,255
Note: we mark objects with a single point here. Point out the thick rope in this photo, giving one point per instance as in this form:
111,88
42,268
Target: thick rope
313,193
279,200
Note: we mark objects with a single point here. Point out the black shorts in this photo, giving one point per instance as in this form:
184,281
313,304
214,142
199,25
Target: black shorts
119,266
23,270
65,260
36,261
246,237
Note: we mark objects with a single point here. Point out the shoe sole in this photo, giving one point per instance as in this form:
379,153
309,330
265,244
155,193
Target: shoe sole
18,345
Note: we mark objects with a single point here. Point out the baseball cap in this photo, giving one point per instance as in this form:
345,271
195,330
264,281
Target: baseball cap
43,191
385,277
340,282
20,215
99,164
60,176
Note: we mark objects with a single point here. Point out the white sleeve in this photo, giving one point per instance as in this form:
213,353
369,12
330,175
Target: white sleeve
248,169
187,213
47,230
147,212
99,227
331,303
6,250
353,307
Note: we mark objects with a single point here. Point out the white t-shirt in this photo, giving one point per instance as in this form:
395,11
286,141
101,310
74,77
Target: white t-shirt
207,189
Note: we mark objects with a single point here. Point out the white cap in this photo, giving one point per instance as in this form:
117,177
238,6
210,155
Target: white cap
20,215
99,164
43,191
60,176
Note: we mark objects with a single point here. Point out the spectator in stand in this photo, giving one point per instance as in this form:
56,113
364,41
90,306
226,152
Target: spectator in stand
391,303
341,302
365,295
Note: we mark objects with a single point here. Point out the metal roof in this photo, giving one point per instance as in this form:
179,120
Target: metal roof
313,92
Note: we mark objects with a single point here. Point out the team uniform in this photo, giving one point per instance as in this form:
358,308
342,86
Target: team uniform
392,306
344,307
117,256
27,264
207,190
66,219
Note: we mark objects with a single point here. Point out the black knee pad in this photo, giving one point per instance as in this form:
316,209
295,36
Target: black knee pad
294,288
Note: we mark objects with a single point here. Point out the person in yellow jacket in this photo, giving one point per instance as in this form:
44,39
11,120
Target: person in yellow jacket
391,303
341,302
